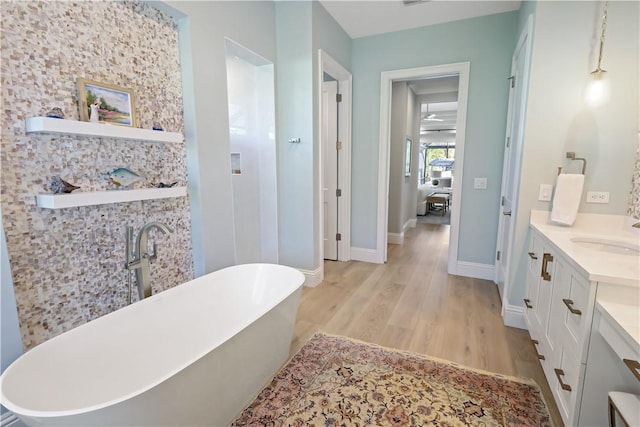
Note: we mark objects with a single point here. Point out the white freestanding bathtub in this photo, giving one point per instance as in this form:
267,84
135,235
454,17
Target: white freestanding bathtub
193,355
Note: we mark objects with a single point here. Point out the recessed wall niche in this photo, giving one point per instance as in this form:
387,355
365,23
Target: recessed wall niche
67,264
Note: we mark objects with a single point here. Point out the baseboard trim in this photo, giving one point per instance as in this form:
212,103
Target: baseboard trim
475,270
513,315
312,278
9,419
365,255
395,238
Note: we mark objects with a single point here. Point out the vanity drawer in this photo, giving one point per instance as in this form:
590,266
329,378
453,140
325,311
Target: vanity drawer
568,375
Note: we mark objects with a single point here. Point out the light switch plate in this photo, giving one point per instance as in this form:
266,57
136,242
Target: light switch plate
544,194
480,183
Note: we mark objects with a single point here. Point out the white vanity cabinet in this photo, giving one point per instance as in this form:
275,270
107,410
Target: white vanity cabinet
560,304
568,277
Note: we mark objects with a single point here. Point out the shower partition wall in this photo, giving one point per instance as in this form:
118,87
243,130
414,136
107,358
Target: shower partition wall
250,91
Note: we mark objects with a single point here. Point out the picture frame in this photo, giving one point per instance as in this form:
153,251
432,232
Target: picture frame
117,106
407,164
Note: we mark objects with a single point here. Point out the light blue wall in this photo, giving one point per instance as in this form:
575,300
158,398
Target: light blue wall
527,8
329,36
487,43
203,27
294,89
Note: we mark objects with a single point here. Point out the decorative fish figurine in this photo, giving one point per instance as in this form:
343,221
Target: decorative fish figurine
163,185
123,177
59,185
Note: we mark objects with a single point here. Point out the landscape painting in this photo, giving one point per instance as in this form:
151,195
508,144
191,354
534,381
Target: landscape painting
110,104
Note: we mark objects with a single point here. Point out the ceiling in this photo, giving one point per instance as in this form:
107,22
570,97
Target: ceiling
439,104
361,18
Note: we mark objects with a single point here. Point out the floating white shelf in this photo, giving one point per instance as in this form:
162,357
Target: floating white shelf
89,198
74,127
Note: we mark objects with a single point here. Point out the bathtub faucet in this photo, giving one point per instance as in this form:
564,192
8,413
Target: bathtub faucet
142,259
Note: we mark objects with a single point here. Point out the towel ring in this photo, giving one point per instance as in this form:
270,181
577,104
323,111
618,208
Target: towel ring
572,155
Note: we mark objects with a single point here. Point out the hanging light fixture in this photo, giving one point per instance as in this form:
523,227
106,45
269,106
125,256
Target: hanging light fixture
598,90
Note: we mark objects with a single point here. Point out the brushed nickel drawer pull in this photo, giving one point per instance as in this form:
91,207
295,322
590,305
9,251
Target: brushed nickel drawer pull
535,343
532,255
569,304
546,258
560,373
634,366
527,303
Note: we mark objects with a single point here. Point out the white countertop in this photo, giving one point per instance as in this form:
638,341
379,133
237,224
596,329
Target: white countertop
613,266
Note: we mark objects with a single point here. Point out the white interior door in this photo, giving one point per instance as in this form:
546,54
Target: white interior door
511,166
330,175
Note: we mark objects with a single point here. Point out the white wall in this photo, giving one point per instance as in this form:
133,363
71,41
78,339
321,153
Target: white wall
565,49
203,27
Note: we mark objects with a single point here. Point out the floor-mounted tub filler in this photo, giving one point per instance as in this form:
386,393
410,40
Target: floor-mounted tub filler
193,355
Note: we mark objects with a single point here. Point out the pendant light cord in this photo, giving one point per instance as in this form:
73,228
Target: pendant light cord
602,34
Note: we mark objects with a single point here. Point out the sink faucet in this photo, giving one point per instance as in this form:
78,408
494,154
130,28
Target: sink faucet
141,257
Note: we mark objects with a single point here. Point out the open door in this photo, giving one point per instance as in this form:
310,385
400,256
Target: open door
330,186
518,82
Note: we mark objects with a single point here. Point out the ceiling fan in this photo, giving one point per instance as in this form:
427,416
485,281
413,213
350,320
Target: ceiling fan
432,118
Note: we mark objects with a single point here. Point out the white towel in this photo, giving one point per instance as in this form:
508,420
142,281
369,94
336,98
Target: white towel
566,198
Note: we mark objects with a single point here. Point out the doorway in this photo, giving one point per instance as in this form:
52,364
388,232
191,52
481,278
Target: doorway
461,70
334,83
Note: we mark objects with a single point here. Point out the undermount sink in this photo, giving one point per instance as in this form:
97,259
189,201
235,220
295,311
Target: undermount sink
624,247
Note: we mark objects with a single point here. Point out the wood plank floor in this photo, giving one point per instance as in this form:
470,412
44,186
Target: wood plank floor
411,303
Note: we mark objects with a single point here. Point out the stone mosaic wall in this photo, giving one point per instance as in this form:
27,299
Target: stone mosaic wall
67,264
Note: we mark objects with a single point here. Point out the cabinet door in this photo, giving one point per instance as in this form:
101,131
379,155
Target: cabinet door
571,310
533,285
542,305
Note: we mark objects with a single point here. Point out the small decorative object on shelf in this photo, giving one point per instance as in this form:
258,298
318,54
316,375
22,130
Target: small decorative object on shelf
157,126
123,177
163,185
59,185
55,113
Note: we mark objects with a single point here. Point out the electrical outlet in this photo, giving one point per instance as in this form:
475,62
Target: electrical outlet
480,183
544,194
597,197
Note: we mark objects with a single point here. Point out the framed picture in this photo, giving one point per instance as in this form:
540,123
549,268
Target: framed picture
407,162
106,103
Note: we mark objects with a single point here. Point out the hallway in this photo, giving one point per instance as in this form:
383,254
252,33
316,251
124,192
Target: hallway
411,303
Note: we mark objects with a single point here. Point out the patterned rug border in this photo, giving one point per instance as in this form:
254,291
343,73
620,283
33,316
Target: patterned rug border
525,381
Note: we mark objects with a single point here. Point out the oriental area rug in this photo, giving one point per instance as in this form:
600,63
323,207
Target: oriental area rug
336,381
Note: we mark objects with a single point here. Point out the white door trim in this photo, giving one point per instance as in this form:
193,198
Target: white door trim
326,64
386,79
517,144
